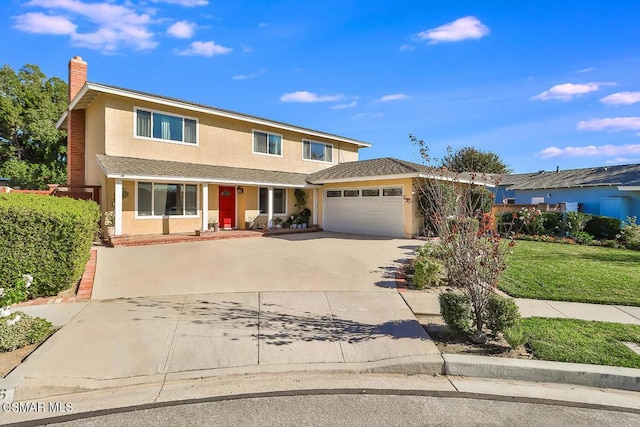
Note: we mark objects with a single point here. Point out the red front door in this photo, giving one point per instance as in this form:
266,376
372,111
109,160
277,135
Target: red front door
227,205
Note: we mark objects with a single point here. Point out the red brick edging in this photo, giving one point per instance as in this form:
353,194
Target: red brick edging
85,287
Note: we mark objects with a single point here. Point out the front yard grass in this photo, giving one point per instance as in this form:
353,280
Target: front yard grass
582,341
577,273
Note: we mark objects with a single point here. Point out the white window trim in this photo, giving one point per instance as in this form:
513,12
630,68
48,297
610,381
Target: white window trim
169,141
310,141
253,143
286,200
152,216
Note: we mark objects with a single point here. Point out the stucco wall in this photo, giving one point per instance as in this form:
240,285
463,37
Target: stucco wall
221,141
94,144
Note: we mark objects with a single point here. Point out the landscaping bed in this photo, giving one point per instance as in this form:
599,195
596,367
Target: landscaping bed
560,340
576,273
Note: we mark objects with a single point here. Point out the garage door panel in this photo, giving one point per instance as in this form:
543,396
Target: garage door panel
380,215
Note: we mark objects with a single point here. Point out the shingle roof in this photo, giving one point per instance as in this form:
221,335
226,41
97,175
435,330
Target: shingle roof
388,166
128,167
623,175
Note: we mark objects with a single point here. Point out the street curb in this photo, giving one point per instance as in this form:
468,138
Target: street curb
19,388
542,371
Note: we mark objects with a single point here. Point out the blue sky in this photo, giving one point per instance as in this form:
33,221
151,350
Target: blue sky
543,83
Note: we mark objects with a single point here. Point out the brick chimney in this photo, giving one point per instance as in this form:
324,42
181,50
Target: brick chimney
76,125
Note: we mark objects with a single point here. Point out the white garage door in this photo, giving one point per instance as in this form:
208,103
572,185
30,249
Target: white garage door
375,211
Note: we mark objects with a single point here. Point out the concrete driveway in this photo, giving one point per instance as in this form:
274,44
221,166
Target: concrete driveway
299,262
167,313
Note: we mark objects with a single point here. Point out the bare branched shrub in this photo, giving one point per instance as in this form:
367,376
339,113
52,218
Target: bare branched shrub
455,210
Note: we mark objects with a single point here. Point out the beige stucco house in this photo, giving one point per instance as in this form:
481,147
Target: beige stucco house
169,166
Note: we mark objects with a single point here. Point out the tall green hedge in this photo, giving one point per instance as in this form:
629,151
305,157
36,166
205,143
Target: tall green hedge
47,237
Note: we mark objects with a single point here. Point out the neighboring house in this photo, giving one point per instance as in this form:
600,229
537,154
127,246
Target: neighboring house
169,166
607,190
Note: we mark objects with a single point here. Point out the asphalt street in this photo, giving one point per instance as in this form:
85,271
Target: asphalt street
363,410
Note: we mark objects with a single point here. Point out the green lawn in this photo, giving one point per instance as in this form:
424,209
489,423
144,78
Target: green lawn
573,273
581,341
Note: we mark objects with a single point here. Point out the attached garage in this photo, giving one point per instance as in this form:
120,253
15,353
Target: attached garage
377,211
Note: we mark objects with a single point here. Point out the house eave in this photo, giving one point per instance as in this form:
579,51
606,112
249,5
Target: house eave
629,187
364,178
455,179
158,178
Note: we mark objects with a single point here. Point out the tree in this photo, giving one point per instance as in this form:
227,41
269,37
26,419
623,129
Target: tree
469,159
32,150
473,254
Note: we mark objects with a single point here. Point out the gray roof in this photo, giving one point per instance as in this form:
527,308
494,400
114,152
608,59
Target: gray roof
388,166
128,167
619,175
134,168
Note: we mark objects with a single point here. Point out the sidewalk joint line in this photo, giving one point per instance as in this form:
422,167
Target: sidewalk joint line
335,325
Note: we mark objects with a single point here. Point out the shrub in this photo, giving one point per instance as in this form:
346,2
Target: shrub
529,220
480,200
427,272
28,330
48,237
432,249
575,221
501,313
516,335
552,222
582,237
603,227
630,234
455,308
460,224
436,199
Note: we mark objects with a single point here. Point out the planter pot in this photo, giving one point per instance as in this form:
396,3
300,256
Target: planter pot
111,230
304,225
214,227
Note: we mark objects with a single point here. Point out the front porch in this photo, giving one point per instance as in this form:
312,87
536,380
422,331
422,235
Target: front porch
159,239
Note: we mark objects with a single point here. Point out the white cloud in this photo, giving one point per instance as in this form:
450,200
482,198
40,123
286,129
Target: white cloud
187,3
304,96
39,23
394,97
367,116
621,98
567,91
590,151
465,28
263,24
182,29
249,76
585,70
619,160
209,48
407,48
613,124
114,26
344,106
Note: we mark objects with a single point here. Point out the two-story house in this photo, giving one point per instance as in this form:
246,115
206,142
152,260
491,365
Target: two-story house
166,165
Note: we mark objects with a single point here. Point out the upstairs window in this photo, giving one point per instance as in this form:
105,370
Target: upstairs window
317,151
267,143
165,127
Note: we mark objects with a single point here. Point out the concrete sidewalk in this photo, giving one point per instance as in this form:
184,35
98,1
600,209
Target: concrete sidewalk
426,302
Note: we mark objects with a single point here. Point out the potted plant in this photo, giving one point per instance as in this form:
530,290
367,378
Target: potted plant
277,221
109,222
213,225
